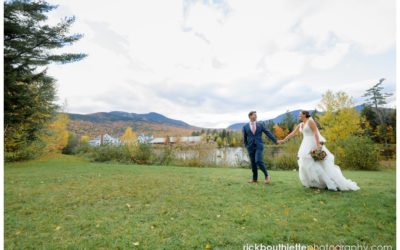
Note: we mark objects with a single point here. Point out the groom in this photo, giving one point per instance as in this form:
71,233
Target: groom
252,140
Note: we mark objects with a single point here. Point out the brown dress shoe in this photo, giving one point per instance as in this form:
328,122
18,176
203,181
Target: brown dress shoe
267,179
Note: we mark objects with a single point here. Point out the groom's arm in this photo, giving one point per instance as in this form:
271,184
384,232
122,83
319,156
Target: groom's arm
244,136
269,134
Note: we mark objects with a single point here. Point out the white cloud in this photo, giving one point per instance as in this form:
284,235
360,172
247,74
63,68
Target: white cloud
330,58
208,63
368,24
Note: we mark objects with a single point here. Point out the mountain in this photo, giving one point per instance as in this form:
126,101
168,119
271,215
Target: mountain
279,118
113,116
115,123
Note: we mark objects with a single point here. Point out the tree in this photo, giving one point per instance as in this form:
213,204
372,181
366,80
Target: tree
223,133
73,142
84,139
279,133
376,99
29,93
129,137
340,119
219,142
392,123
56,136
315,116
167,140
370,115
269,125
234,142
288,122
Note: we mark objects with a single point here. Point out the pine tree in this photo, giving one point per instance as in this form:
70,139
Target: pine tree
288,122
29,93
376,99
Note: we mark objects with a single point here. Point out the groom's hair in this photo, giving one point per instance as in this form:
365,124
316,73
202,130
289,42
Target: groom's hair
251,113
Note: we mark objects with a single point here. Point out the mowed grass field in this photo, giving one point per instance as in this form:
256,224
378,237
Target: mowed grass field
68,203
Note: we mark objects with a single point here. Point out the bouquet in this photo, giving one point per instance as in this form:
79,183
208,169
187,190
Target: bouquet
318,154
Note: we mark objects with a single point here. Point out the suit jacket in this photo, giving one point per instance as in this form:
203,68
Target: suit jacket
249,138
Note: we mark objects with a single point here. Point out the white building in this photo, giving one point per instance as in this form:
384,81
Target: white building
145,138
158,141
104,139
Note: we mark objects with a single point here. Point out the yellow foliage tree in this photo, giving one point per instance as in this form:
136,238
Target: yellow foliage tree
129,137
279,133
84,139
340,119
234,142
57,137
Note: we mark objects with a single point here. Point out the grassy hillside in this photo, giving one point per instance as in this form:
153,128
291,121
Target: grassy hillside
116,122
69,203
117,128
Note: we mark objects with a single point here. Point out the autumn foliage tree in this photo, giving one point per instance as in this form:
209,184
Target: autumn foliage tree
342,126
339,119
56,136
279,132
129,137
84,139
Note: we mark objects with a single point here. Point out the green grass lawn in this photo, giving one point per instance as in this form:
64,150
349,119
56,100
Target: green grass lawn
67,202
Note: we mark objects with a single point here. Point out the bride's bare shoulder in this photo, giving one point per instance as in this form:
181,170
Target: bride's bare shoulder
311,123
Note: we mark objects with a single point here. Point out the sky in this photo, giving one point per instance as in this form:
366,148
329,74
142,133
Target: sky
209,63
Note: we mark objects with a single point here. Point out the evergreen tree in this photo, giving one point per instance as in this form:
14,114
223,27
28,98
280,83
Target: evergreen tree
288,122
223,133
270,125
315,116
29,93
376,99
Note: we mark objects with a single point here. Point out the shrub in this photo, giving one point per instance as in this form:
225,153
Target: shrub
105,153
139,154
283,157
72,144
82,148
388,152
198,155
143,154
285,162
359,152
166,156
26,152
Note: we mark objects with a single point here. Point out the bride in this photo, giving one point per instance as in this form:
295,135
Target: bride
319,174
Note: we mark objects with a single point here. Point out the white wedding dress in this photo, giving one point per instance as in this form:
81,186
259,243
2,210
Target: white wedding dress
320,174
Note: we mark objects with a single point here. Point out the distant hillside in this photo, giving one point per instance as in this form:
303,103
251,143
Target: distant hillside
279,118
113,116
116,122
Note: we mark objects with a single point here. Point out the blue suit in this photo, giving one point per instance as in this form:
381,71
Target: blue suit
255,146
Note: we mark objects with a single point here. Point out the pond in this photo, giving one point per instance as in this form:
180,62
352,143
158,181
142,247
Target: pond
229,156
